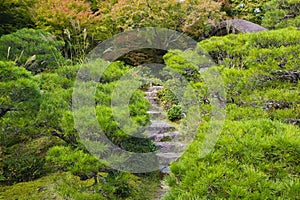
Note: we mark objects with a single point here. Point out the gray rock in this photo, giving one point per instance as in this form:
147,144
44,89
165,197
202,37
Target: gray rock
170,147
155,88
158,126
166,158
153,100
164,137
165,170
156,114
235,26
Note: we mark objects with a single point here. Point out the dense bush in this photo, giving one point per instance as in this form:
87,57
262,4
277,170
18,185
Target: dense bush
282,13
20,98
114,72
14,15
254,159
174,113
181,62
253,65
238,51
45,119
258,69
251,10
257,154
36,50
167,98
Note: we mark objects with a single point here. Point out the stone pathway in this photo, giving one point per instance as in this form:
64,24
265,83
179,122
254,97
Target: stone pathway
164,136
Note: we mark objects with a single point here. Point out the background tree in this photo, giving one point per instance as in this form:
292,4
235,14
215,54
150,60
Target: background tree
15,15
251,10
74,22
191,16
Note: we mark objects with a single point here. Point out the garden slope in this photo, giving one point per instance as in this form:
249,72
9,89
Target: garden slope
257,155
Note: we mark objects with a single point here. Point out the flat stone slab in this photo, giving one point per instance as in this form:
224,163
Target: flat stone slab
154,115
158,126
155,88
166,158
155,107
163,137
170,147
150,94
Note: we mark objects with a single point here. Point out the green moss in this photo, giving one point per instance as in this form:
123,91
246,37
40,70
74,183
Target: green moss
43,188
62,186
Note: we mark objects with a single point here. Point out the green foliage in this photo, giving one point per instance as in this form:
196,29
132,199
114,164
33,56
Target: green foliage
174,113
58,121
255,159
14,15
73,22
275,49
26,140
190,16
43,188
281,14
251,10
114,72
257,154
181,62
253,64
75,161
167,98
237,113
69,72
25,161
19,102
36,50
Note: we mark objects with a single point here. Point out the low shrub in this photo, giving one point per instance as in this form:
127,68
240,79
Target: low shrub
174,113
255,159
281,14
36,50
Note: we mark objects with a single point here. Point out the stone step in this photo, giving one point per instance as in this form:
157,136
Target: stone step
158,126
153,100
163,137
170,147
155,88
154,112
155,115
150,94
166,158
155,107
